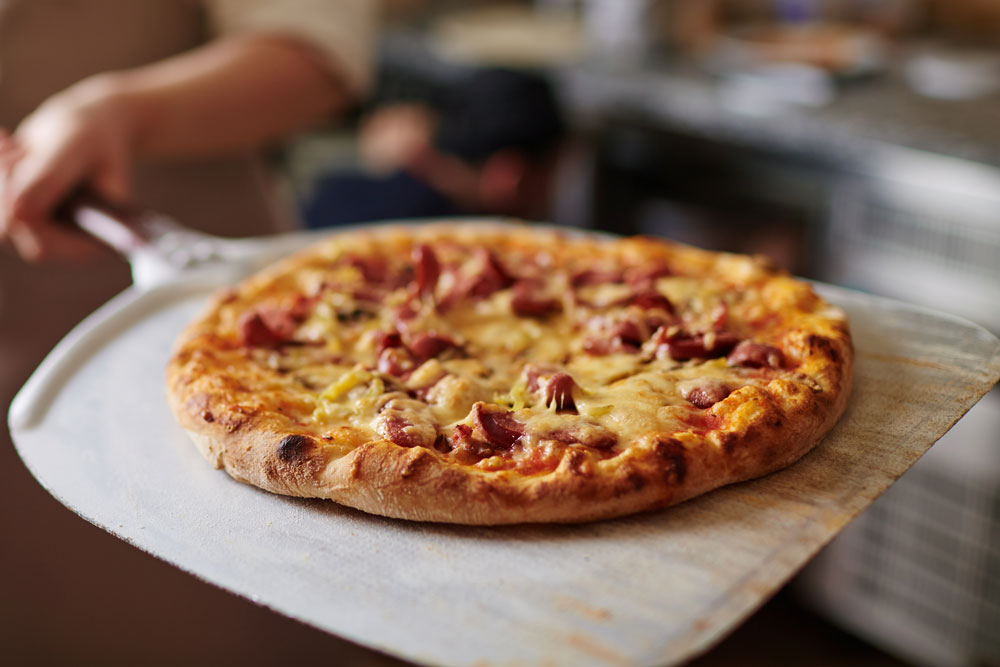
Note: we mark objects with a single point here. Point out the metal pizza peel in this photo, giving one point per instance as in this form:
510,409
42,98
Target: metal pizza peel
92,425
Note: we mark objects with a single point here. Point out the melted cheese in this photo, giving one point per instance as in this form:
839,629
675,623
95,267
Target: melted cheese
628,393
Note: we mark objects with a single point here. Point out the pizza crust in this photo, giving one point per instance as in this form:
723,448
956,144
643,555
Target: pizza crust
755,430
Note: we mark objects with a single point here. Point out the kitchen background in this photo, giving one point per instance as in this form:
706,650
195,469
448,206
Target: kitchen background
854,141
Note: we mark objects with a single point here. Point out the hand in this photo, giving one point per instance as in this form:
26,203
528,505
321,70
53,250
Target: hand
80,136
393,137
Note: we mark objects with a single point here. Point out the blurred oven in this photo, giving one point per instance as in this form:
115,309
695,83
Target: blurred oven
919,573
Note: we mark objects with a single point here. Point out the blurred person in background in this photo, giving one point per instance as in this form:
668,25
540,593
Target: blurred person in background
167,103
490,147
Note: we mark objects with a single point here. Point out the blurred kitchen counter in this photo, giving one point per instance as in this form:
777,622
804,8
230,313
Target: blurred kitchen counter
865,114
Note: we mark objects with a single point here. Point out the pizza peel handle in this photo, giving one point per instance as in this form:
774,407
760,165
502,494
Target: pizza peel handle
161,250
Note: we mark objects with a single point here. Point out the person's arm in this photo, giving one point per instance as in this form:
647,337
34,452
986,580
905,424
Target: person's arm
232,94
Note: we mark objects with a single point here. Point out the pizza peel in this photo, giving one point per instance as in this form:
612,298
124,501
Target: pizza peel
92,425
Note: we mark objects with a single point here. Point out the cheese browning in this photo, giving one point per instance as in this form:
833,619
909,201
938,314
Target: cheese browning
500,355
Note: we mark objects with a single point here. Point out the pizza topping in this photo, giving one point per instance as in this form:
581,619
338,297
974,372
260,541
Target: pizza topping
584,433
650,299
386,340
589,277
428,269
683,346
404,312
398,359
720,316
395,361
466,447
646,274
623,336
255,332
491,277
756,355
559,392
480,280
503,357
427,345
707,394
426,375
373,269
344,384
274,324
532,372
407,423
499,428
392,356
369,296
527,300
452,397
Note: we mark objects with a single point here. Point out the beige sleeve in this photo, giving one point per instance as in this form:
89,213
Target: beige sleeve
341,31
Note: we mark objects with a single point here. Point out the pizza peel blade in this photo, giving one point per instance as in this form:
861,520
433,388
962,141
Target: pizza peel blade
651,589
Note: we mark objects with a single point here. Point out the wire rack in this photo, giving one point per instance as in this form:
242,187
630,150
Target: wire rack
919,572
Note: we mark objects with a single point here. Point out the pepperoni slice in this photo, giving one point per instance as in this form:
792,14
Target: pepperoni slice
756,355
255,332
491,278
589,277
700,346
624,336
527,302
373,269
559,392
646,275
532,373
273,325
428,269
499,428
400,431
386,340
395,361
650,300
429,344
708,395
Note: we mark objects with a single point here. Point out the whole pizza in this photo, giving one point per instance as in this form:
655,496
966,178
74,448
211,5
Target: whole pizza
498,373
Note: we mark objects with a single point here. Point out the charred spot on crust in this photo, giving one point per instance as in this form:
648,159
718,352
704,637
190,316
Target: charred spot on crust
729,442
635,481
822,345
671,451
629,480
294,448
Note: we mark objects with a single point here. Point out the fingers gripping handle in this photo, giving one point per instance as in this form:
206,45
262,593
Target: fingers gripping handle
115,226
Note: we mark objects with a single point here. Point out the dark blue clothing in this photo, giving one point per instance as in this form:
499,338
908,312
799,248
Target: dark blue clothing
350,197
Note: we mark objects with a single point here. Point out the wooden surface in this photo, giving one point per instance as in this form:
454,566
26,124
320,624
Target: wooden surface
650,589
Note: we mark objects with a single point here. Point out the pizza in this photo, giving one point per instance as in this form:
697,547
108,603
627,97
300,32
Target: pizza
480,373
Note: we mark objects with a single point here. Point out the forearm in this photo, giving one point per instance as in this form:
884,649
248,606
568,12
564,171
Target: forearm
236,93
233,94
